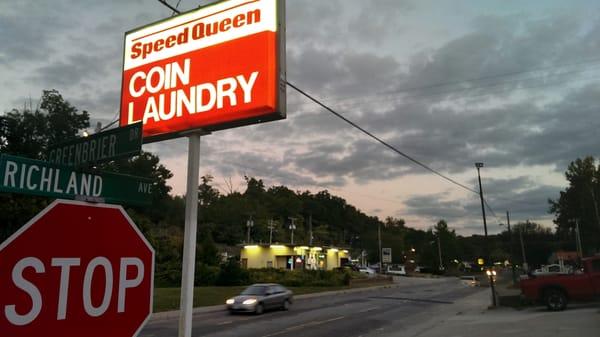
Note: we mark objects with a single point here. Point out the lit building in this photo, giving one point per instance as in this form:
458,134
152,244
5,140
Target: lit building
293,257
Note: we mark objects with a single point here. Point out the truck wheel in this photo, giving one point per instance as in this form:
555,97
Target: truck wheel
555,299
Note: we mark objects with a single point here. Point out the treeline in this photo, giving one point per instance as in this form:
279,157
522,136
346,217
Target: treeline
223,218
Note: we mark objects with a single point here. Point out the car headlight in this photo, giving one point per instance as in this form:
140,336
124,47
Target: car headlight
230,301
250,301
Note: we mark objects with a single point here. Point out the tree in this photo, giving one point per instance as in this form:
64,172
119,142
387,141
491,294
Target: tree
539,241
29,133
579,203
448,241
207,195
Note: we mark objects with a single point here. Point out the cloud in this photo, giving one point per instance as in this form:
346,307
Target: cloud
521,196
28,37
510,88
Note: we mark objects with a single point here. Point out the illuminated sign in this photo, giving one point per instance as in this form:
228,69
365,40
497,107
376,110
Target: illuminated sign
213,68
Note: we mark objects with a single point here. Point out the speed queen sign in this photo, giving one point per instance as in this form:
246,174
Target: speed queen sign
212,68
75,270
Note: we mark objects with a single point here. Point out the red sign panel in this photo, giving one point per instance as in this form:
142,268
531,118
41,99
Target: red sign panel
213,68
75,270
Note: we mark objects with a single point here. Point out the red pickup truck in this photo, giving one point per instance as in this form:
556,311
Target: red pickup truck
557,290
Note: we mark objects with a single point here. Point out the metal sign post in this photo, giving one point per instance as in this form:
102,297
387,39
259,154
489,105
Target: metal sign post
191,230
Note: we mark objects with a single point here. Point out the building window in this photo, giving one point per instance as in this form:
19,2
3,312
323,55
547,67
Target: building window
269,264
245,263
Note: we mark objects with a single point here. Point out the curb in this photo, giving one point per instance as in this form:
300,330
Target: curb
166,315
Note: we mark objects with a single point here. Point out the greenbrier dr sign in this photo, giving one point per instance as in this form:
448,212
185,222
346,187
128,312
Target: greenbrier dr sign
35,177
98,148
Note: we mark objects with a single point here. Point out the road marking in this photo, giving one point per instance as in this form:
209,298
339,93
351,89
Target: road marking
295,327
331,320
226,322
368,309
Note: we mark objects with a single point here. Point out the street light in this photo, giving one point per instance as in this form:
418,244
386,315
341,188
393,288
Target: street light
479,166
492,275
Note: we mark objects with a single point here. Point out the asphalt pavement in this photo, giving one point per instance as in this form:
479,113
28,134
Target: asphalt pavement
471,317
373,312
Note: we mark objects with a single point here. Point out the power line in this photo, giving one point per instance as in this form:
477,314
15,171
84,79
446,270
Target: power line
495,76
379,139
176,6
174,9
109,125
487,205
485,89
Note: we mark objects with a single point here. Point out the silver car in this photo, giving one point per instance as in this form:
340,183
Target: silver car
260,297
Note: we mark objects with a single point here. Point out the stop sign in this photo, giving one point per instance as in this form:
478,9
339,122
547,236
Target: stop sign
74,270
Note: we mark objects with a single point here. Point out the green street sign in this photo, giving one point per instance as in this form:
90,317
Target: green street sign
98,148
35,177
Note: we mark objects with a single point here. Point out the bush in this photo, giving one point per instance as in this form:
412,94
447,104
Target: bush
206,275
300,278
231,274
167,274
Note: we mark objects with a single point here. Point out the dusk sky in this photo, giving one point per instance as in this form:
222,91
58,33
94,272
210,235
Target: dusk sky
512,84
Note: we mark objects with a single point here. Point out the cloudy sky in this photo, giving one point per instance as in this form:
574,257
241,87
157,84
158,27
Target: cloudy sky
513,84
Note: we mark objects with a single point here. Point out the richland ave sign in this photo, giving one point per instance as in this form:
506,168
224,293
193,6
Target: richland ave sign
75,270
35,177
212,68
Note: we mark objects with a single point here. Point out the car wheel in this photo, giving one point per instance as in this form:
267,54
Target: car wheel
286,305
555,299
259,309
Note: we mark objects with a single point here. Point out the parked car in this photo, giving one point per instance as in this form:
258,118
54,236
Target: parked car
349,266
260,297
553,269
375,267
470,281
367,270
396,270
556,290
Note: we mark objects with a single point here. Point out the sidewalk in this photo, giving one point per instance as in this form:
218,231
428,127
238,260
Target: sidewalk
470,317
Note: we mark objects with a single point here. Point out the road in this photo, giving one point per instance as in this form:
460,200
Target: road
366,313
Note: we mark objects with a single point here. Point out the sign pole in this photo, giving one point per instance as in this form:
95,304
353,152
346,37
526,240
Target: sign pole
191,229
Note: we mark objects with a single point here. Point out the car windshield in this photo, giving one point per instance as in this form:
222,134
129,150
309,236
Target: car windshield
255,290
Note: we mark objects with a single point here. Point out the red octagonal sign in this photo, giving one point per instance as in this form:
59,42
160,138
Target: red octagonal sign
75,270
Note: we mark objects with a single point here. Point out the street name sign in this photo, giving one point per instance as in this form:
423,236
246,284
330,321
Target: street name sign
75,270
98,148
212,68
35,177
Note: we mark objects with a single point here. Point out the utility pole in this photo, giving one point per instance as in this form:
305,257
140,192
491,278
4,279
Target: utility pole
271,227
379,239
523,249
440,252
510,242
310,233
249,224
487,257
292,227
578,239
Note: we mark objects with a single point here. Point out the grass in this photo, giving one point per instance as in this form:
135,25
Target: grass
166,299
